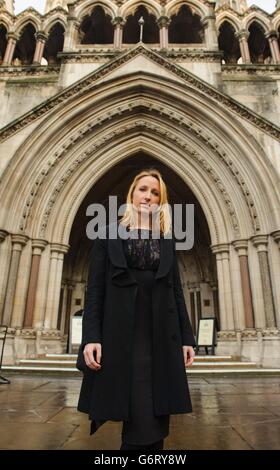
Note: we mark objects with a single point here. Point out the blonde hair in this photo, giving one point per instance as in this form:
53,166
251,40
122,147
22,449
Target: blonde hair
128,218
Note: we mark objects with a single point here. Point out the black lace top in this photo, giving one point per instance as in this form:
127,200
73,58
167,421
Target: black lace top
142,252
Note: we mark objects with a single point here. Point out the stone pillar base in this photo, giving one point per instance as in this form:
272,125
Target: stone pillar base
28,343
49,342
9,351
271,348
251,346
25,344
261,346
228,343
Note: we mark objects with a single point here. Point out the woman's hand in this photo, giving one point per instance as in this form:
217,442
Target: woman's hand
189,354
89,356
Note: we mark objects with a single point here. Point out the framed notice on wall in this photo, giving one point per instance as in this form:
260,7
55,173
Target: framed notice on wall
206,337
75,332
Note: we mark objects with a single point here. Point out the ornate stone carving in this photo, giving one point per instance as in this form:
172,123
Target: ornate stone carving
80,87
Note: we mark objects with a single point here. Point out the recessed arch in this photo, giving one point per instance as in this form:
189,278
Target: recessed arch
26,45
197,7
131,30
87,7
135,94
185,26
3,41
228,43
258,44
97,28
54,44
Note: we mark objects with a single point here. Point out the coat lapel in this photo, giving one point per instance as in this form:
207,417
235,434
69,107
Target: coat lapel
121,272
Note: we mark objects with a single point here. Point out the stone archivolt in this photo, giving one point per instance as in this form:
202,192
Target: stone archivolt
169,102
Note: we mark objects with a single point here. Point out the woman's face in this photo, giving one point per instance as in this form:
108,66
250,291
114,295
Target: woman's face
146,195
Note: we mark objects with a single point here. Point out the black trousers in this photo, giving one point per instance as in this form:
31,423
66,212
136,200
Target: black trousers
158,445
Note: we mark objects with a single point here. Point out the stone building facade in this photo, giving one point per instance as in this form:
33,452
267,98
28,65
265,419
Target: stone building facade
85,105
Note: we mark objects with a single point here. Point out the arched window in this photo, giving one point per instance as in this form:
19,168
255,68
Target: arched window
3,42
25,48
131,30
54,44
97,28
185,27
229,44
258,44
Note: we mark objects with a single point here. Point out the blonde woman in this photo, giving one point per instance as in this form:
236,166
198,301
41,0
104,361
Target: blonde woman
137,337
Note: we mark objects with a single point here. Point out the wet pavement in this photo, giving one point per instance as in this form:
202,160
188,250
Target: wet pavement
229,413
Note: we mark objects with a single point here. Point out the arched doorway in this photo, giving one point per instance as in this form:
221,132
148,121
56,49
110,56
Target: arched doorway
197,266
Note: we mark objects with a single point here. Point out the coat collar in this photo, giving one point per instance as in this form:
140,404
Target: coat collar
118,258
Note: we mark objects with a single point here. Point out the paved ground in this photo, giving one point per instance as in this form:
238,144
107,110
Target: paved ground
230,413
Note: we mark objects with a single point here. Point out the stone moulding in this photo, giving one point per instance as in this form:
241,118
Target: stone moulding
139,125
80,87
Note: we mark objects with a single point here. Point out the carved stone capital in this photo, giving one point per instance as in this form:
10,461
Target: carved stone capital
41,36
19,241
260,242
222,248
3,235
163,21
59,248
276,236
241,246
243,34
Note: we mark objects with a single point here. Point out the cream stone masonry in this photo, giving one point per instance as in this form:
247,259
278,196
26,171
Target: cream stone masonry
83,111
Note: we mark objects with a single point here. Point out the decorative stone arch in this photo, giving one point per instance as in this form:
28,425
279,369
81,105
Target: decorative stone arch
228,42
86,8
256,17
20,23
191,132
23,201
130,7
229,18
3,40
276,22
196,6
52,21
7,22
96,27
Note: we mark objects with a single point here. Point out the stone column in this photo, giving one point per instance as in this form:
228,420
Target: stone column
55,276
71,33
224,286
242,37
276,273
18,242
272,37
10,49
242,248
210,31
163,23
41,39
37,248
118,23
260,242
3,277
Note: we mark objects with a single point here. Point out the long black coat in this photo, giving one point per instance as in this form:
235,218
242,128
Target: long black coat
108,319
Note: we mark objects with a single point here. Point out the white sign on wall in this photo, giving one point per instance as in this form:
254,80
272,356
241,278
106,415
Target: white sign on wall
76,330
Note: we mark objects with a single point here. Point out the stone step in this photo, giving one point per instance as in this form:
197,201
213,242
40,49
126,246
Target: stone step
72,371
71,363
200,358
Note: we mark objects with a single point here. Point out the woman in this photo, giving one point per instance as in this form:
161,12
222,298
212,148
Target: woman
137,338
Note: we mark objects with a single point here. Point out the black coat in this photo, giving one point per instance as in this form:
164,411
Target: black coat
108,319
